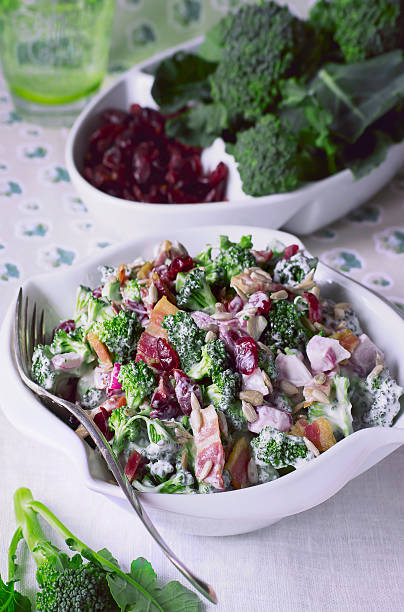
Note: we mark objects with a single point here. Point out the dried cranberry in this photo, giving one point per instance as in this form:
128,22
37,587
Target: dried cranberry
235,305
290,250
246,355
261,301
262,256
114,115
182,263
164,401
132,465
101,420
168,357
112,157
184,386
315,312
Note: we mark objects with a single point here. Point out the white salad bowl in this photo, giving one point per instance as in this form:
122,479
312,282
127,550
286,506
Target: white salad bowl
229,512
303,211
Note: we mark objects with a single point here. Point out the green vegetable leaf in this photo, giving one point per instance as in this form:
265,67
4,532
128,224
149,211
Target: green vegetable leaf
181,79
199,125
173,597
212,47
11,600
358,94
372,157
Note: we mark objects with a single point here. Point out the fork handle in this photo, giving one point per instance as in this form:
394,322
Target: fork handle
131,494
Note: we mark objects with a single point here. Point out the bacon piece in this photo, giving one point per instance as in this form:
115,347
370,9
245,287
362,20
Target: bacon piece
319,432
237,463
100,349
132,465
347,339
161,310
209,448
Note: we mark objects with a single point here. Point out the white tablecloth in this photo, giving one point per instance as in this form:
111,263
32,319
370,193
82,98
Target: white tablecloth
345,555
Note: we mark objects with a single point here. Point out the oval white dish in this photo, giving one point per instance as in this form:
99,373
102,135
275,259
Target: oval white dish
303,211
231,512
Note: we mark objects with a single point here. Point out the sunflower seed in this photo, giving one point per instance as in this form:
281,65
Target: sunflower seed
205,471
195,404
288,388
311,447
241,294
279,295
342,305
182,433
222,316
341,324
263,273
256,325
170,424
153,294
307,284
253,397
309,323
252,472
376,371
339,313
320,396
222,423
249,412
379,359
265,348
316,291
210,336
220,307
320,379
196,420
184,459
81,431
257,276
323,328
298,407
267,381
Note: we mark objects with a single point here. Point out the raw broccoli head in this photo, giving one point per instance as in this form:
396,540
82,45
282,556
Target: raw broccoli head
292,271
78,587
362,29
267,156
186,338
338,411
223,393
121,334
234,257
42,369
279,449
260,46
286,327
193,291
214,360
138,381
376,401
266,362
214,274
90,310
131,291
124,427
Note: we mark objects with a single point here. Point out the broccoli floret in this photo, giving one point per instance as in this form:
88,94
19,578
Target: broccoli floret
214,360
180,482
234,257
121,334
112,291
286,327
53,378
214,274
131,291
223,393
362,29
90,581
193,291
185,337
267,156
72,342
66,584
125,428
260,46
138,381
280,449
292,271
338,412
376,401
266,362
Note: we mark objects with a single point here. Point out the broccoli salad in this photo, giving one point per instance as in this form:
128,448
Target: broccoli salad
219,371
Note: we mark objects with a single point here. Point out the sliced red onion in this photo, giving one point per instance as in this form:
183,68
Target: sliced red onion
255,382
324,353
292,368
67,361
204,321
114,384
268,415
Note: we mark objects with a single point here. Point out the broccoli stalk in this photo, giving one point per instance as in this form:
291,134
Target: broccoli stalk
138,381
89,581
10,599
91,310
214,360
338,412
193,291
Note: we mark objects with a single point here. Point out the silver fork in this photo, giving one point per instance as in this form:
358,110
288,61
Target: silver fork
29,330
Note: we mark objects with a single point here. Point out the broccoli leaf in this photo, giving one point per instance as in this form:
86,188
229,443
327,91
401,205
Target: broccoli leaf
12,600
180,79
199,125
358,94
173,597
